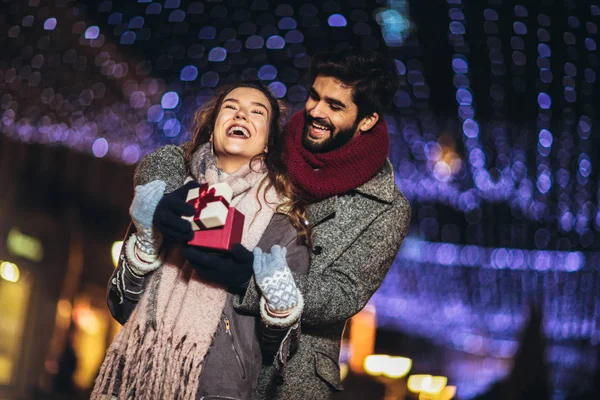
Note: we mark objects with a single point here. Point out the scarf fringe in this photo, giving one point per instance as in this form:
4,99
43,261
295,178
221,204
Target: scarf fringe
179,365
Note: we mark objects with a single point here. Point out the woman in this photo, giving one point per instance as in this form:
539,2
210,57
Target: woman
163,349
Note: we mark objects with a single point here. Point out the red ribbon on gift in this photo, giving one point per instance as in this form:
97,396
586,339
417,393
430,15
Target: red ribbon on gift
205,196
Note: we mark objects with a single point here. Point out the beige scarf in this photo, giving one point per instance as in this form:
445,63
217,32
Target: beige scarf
160,350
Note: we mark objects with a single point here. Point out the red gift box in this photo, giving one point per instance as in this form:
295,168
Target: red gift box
224,237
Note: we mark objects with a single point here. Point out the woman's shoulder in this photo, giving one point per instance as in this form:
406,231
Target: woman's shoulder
166,163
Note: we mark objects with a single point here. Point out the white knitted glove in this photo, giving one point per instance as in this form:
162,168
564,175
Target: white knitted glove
275,279
142,213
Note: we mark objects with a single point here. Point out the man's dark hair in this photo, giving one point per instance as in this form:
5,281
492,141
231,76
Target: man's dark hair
372,76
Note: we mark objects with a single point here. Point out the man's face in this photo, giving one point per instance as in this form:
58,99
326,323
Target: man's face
330,118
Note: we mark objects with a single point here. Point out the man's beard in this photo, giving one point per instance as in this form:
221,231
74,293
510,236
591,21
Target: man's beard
332,142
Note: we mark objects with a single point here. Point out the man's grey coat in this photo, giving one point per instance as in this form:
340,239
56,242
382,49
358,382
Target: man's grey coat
356,238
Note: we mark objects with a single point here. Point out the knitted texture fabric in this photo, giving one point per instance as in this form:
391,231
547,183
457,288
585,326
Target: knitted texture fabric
142,209
275,279
159,353
322,175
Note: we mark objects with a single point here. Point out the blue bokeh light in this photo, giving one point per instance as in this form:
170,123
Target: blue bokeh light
217,54
337,20
189,73
50,24
169,100
92,32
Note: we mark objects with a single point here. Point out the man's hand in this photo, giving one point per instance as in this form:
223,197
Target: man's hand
233,269
275,279
170,209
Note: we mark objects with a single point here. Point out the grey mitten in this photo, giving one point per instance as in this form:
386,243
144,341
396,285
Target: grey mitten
142,212
275,279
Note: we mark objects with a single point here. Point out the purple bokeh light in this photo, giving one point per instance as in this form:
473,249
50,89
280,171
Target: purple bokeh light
169,100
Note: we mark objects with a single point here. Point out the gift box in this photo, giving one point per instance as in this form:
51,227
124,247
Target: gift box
212,205
216,225
224,237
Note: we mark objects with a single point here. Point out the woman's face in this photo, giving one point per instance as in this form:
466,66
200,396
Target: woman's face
241,129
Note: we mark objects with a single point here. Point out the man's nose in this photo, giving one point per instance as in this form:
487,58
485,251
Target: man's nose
317,110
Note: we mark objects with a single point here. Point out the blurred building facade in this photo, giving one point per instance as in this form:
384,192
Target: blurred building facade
60,212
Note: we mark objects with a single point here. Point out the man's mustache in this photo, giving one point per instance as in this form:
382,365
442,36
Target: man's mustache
320,121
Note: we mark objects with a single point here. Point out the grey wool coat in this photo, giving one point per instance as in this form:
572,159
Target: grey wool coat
356,238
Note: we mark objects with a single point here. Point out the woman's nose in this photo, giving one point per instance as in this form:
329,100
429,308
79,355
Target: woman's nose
240,115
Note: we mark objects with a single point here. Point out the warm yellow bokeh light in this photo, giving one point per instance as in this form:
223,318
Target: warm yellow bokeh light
343,371
115,251
375,364
448,393
415,382
9,271
86,319
64,308
397,367
434,385
427,384
389,366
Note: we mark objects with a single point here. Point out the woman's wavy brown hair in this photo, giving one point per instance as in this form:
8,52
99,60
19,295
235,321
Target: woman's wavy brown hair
277,172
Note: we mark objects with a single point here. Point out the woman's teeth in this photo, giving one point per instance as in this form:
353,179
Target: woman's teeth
238,131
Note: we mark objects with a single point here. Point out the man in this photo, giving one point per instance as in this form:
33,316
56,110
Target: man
337,156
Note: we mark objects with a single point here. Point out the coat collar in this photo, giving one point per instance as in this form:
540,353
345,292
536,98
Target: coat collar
381,187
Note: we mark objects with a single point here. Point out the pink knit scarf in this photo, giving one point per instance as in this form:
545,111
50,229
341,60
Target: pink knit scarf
160,350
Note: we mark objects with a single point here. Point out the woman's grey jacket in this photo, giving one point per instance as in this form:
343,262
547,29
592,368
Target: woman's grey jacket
233,362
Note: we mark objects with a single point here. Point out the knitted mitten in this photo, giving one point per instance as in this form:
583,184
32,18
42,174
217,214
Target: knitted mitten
275,279
142,212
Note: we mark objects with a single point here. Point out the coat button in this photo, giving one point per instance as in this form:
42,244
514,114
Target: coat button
317,250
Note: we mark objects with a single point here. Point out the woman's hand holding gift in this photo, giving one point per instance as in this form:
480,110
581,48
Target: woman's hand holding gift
232,269
170,209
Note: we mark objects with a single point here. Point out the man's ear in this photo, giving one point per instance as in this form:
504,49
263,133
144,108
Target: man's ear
368,122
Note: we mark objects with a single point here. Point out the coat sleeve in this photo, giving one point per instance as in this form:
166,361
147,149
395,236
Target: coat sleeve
345,287
124,287
166,163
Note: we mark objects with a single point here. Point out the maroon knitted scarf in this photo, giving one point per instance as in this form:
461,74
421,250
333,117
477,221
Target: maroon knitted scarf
322,175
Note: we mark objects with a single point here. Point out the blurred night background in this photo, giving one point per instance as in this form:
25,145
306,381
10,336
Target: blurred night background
494,140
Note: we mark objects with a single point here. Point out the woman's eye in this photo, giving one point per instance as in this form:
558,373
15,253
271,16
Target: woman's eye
258,112
229,106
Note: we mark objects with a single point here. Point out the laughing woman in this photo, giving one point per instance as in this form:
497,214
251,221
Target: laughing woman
181,337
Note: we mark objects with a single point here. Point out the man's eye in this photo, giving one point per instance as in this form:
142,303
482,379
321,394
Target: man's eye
314,96
335,107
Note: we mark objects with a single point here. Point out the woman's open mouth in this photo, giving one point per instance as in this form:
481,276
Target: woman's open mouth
238,132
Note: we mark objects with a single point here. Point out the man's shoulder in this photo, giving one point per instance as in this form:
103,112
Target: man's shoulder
382,189
382,186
